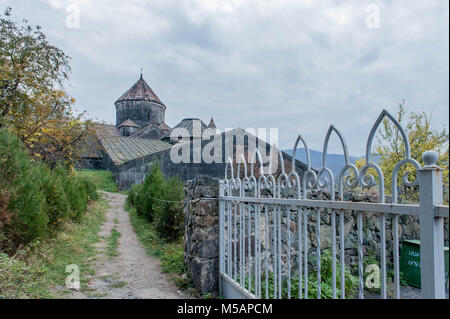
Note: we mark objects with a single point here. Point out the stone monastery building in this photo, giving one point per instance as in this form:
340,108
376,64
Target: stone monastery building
141,137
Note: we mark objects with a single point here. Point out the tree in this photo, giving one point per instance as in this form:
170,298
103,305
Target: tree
390,149
33,102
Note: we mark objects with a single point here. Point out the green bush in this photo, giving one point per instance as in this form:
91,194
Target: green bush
169,217
90,188
150,192
22,217
160,202
57,206
75,192
33,198
132,195
326,282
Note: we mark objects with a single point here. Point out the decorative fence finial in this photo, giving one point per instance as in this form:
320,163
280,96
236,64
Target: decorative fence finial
430,158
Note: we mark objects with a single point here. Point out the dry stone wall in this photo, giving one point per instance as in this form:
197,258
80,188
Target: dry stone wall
201,240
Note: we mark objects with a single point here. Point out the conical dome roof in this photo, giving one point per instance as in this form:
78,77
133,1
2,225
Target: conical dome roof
212,124
140,91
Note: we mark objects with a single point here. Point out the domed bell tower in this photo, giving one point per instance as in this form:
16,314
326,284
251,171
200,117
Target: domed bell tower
140,105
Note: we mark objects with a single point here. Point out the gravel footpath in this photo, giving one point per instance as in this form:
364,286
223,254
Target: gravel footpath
130,275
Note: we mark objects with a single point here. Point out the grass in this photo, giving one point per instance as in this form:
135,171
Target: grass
118,284
113,243
326,287
104,180
170,254
34,270
115,284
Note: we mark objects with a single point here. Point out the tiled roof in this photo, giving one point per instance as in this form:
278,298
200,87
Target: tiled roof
128,123
124,149
187,126
106,129
212,124
144,131
140,91
164,126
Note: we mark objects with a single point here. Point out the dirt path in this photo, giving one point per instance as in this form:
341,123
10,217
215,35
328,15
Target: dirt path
132,273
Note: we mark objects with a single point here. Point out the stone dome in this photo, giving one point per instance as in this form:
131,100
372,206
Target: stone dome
140,105
140,91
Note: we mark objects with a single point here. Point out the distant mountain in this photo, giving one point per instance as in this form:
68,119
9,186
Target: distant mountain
335,162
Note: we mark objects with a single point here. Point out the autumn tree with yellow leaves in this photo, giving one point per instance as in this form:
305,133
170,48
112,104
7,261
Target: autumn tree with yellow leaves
390,149
33,102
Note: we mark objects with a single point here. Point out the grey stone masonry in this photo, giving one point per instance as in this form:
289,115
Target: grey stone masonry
201,240
141,112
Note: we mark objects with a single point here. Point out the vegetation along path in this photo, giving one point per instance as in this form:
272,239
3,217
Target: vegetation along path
122,268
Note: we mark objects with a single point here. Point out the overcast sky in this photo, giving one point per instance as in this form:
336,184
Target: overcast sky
298,66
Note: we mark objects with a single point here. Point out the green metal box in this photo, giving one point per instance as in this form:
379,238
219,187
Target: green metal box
410,262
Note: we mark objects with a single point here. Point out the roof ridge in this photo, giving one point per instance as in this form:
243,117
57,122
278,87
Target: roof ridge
160,126
129,122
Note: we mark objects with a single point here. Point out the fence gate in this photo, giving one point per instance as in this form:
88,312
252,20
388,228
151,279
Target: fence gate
272,234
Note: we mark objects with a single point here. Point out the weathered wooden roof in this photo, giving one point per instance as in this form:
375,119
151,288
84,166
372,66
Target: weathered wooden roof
140,91
123,149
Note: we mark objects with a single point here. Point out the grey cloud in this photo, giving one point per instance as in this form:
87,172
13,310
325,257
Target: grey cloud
295,65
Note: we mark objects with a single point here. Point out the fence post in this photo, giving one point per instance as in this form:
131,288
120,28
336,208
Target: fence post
221,234
431,229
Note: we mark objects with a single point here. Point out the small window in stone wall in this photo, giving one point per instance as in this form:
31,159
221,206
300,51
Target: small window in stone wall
148,116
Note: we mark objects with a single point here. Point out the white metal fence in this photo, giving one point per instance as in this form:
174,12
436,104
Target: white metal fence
267,225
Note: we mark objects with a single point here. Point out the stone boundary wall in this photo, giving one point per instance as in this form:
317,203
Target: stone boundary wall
409,228
201,241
